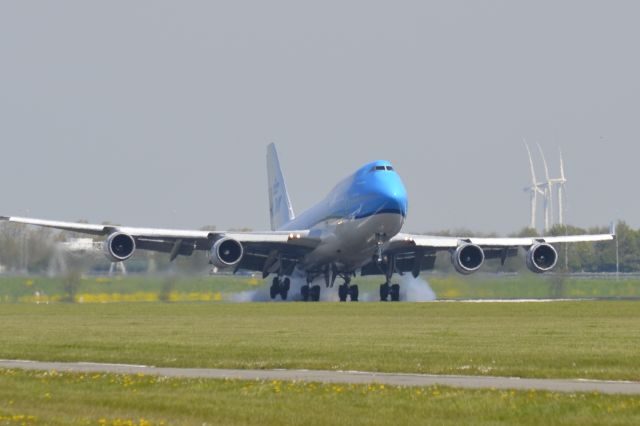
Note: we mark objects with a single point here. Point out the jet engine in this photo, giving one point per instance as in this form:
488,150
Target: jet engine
541,258
119,246
226,252
467,258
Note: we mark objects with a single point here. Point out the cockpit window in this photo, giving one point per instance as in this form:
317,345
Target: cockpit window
380,168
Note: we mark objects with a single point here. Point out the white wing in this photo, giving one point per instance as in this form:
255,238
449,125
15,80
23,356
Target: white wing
87,228
292,245
435,242
415,253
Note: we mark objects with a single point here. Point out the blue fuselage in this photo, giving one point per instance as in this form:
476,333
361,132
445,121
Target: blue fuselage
362,210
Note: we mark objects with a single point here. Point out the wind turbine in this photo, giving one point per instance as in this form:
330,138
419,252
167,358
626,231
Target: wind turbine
533,190
561,192
547,187
548,192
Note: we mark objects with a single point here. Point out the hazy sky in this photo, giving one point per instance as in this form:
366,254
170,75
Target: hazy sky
158,113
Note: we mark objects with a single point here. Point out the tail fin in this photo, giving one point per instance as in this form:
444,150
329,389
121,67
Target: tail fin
279,202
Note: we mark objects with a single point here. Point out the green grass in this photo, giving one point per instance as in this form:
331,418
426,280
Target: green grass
22,289
531,286
104,399
13,288
563,339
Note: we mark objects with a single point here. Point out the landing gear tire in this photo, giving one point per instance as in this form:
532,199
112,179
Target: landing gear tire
343,291
314,293
384,292
304,291
274,290
353,293
284,288
279,288
395,292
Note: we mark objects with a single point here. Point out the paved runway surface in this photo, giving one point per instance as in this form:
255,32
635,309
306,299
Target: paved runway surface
355,377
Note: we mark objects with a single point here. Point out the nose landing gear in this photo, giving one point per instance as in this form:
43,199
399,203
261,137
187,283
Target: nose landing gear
387,289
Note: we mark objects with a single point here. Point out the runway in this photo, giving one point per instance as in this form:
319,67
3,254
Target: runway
350,377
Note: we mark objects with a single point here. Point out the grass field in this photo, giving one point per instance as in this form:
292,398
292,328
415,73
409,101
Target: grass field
223,288
561,339
29,398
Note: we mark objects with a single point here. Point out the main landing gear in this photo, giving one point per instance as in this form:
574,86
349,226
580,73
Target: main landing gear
389,290
310,293
347,290
280,287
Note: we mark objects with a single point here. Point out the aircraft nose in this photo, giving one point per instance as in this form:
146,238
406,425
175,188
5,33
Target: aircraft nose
392,190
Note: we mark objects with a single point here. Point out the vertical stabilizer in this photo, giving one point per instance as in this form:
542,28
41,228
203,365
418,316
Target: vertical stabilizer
279,202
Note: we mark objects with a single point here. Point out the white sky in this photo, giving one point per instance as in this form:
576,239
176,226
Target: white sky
158,113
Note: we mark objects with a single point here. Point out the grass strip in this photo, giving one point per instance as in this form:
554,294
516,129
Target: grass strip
596,340
53,398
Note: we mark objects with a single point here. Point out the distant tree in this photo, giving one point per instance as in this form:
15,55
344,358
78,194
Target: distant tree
526,232
628,247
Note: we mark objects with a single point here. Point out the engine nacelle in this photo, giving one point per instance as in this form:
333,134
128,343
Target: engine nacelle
226,252
119,247
541,258
467,258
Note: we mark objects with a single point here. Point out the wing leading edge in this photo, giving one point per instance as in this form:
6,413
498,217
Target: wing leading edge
443,243
292,244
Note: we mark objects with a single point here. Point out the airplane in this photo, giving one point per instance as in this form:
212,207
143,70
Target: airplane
355,229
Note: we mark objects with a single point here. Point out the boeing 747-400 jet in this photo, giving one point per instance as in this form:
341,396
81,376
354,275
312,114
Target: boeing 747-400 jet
355,229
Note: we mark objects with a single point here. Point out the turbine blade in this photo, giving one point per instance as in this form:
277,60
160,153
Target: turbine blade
533,171
544,162
548,191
